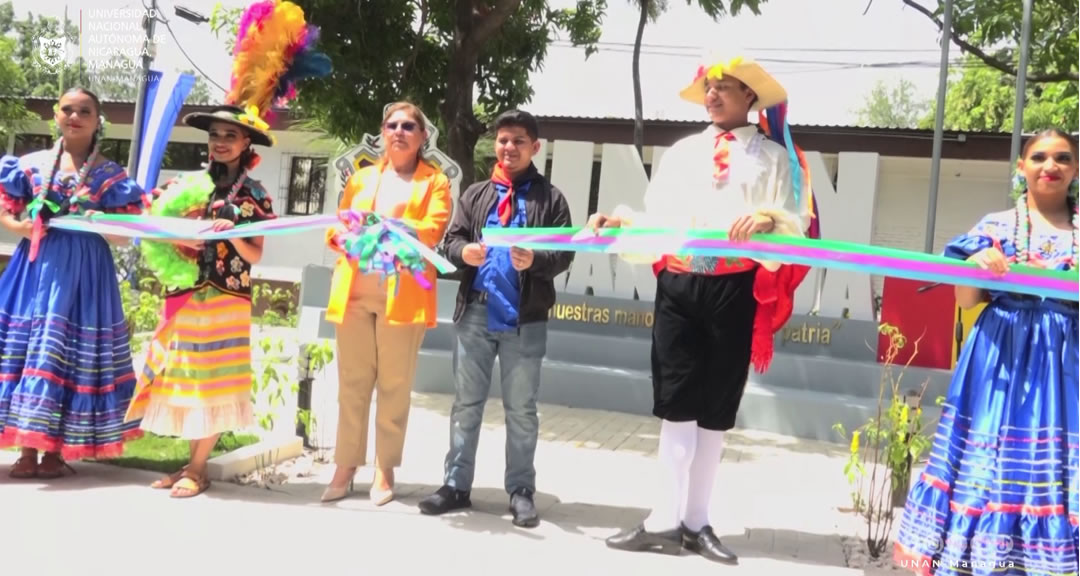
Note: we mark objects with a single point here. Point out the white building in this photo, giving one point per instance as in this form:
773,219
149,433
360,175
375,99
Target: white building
872,183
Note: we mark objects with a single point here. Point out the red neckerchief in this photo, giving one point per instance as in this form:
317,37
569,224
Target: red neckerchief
721,152
506,205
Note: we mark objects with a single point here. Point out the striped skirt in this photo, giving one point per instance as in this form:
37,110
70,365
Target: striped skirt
999,493
197,378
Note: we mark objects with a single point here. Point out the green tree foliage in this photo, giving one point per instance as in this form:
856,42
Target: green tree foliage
444,55
989,30
984,99
893,107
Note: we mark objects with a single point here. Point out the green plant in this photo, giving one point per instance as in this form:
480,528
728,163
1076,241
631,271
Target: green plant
887,445
268,386
280,309
318,357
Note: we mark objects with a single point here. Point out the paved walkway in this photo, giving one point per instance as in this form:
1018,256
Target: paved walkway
777,503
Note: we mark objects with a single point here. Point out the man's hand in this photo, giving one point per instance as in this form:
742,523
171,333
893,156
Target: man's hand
474,254
991,259
521,258
749,225
598,221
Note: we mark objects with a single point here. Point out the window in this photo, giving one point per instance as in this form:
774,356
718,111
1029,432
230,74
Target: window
116,150
307,185
28,143
185,156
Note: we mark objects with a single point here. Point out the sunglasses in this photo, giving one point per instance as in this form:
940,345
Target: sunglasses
406,126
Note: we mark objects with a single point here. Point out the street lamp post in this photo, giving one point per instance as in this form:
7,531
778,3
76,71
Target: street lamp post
1021,92
939,128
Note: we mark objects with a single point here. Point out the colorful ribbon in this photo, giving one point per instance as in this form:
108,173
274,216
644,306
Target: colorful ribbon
174,228
832,254
386,246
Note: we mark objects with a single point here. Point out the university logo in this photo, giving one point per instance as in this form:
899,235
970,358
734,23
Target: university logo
51,51
371,147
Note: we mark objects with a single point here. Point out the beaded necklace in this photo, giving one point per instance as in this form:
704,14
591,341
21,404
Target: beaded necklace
1022,237
41,199
233,191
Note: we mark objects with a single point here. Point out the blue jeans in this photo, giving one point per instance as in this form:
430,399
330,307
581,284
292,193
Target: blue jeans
520,354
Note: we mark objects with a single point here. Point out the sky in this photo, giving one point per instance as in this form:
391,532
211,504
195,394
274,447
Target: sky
818,49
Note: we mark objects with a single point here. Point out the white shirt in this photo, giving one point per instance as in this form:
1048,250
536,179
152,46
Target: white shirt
683,193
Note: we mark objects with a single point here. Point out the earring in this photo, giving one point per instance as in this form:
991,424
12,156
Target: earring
1019,184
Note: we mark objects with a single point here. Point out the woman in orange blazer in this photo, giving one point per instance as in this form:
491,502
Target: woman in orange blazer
381,324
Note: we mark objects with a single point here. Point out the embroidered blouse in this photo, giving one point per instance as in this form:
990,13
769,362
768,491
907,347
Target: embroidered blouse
220,265
1052,250
684,194
110,189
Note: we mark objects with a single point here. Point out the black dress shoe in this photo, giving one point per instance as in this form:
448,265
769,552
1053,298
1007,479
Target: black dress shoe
708,545
521,504
641,540
444,500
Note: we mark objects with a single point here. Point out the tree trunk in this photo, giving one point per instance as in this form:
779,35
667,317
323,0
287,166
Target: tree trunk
473,27
462,127
639,116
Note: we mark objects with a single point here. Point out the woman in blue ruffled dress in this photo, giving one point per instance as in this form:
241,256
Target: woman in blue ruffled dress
66,375
999,494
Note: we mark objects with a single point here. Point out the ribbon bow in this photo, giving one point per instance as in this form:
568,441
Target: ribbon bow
380,246
38,231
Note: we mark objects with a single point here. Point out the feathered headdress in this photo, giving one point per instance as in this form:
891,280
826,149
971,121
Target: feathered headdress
275,47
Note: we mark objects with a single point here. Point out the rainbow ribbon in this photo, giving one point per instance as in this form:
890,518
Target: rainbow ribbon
386,246
831,254
173,228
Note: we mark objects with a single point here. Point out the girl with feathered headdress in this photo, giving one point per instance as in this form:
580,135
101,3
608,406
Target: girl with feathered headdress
197,380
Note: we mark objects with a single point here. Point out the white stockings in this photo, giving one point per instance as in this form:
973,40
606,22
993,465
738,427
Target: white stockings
688,458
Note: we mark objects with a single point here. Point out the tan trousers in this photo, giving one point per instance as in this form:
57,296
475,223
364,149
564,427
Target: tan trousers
373,355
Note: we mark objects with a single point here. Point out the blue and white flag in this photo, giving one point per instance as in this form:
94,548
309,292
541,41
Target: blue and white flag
165,95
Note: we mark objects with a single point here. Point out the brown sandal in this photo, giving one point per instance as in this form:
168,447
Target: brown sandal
167,482
189,486
53,466
24,468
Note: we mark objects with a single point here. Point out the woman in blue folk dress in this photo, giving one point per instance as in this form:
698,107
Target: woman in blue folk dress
66,375
999,495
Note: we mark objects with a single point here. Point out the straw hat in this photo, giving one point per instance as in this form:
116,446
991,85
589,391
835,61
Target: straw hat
769,92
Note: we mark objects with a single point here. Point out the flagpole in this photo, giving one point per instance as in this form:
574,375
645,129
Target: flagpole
140,100
63,60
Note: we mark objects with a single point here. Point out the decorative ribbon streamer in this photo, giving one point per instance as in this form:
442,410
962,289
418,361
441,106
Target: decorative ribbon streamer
1062,285
175,228
386,246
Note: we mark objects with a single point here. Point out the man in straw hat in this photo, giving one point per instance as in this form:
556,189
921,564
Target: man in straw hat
713,316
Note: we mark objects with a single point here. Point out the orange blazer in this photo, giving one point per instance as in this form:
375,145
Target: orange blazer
428,211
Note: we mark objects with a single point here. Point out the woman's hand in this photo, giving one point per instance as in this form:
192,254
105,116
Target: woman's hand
221,225
25,228
991,259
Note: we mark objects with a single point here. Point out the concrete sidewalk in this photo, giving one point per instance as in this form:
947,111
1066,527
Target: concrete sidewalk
778,504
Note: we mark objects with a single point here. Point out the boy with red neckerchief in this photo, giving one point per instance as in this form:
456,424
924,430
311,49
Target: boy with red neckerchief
502,310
